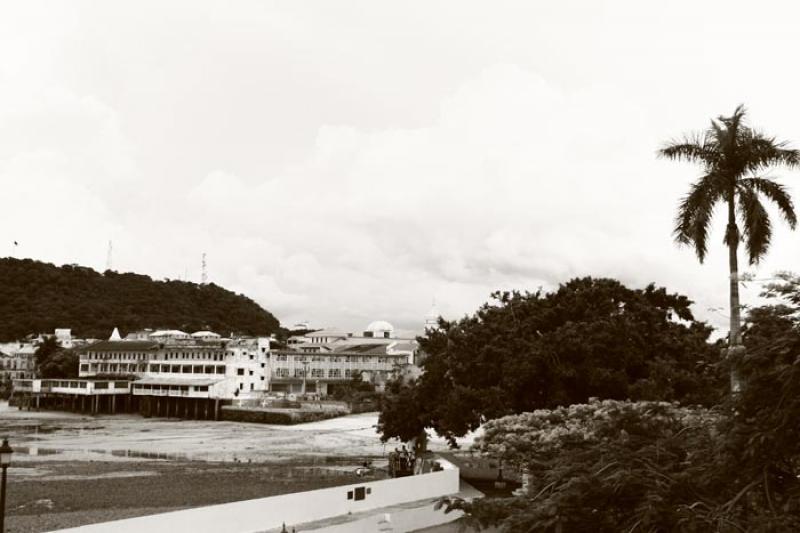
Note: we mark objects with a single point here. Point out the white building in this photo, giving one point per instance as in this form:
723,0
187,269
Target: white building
174,363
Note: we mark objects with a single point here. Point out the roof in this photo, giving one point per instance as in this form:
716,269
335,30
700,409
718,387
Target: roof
326,333
403,346
176,381
379,325
206,334
122,346
367,349
169,333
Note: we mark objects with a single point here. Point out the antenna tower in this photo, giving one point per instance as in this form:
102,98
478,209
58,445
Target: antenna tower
204,275
108,256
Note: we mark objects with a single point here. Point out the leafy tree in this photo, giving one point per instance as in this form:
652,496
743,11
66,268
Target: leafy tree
734,158
355,390
38,297
654,466
589,338
604,466
53,361
6,385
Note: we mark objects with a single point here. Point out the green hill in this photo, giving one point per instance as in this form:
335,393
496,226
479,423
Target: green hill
37,297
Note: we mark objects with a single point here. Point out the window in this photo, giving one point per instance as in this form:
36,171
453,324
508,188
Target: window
283,372
186,369
317,373
334,373
298,372
240,371
252,386
251,372
220,369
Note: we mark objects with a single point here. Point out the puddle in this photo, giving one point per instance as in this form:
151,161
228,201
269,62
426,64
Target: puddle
37,451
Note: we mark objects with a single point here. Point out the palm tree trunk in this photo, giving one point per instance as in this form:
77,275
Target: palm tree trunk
735,347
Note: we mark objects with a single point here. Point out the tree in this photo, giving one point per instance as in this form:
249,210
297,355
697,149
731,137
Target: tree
37,297
53,361
603,466
589,338
734,158
655,466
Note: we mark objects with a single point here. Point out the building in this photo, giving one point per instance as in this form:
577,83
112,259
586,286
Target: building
17,360
175,363
329,357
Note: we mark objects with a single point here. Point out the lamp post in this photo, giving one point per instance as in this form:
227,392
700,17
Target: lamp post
5,460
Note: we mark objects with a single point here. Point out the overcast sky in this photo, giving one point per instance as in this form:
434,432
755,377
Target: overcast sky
348,161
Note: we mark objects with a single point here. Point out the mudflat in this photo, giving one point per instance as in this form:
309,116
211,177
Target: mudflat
71,469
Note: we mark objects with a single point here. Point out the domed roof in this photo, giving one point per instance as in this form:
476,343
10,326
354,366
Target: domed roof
205,334
379,325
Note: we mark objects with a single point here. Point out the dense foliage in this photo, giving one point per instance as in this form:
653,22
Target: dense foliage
38,297
589,338
54,362
655,466
354,391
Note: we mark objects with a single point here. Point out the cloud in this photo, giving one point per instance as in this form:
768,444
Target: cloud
343,169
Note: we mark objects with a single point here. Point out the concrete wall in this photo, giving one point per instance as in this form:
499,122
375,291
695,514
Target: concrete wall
301,507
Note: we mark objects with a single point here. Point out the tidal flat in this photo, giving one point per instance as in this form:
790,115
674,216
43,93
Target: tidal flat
71,469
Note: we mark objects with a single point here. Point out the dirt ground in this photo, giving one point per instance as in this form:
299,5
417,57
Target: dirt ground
56,494
71,469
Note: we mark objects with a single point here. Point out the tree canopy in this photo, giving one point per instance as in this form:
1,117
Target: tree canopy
54,362
657,466
38,297
526,351
735,158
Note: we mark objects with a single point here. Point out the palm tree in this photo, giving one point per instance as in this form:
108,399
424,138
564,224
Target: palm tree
734,159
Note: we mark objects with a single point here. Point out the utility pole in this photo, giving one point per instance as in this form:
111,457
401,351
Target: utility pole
108,256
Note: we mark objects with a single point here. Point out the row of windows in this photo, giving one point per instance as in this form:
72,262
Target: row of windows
116,356
315,373
188,369
195,355
334,358
173,388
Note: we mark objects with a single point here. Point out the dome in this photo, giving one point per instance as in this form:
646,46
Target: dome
205,335
379,326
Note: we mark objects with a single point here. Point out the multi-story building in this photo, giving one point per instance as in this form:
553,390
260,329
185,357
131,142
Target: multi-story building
329,357
174,363
17,360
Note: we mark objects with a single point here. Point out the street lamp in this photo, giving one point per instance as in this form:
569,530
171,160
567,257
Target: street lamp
5,460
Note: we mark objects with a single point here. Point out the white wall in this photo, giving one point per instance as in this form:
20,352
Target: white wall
297,508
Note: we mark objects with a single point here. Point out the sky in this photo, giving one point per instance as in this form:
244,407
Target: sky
343,162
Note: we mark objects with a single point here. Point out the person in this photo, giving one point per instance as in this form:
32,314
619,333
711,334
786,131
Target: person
404,459
392,463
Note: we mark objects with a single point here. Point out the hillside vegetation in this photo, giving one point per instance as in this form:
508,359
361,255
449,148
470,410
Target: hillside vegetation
38,297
